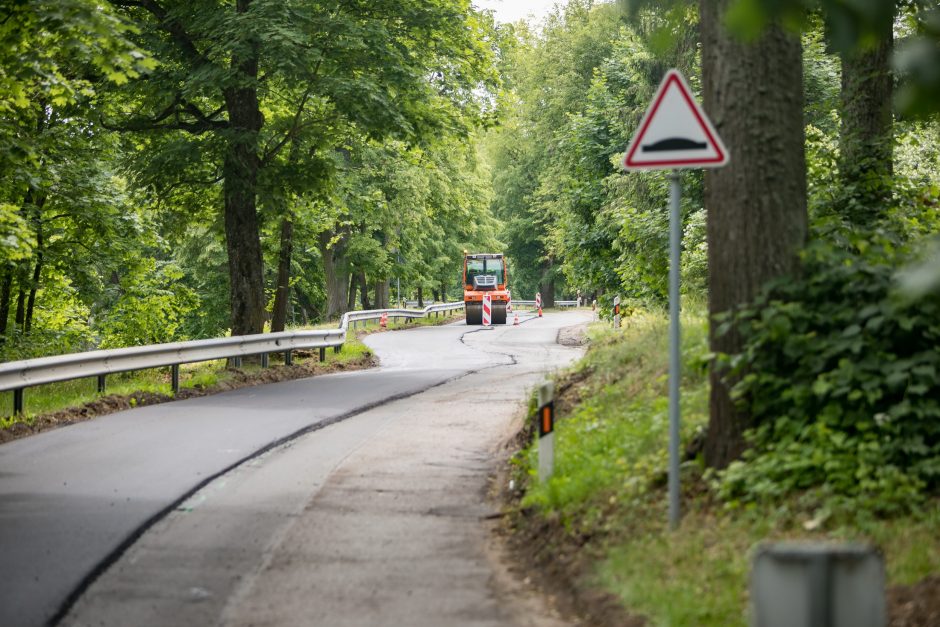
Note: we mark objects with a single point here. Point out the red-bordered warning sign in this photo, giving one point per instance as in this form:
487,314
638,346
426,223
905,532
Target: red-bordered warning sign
675,132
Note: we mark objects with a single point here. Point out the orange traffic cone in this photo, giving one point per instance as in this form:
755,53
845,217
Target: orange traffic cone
540,312
515,321
383,321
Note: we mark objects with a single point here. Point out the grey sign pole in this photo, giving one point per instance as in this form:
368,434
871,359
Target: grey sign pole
675,242
674,133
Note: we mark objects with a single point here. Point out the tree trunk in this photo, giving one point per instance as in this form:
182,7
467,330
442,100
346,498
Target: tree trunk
364,290
420,297
6,292
37,269
19,321
381,294
436,295
351,300
282,289
866,137
444,292
240,169
34,285
336,277
547,285
756,205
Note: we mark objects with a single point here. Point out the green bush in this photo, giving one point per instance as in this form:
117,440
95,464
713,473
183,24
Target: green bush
839,373
151,308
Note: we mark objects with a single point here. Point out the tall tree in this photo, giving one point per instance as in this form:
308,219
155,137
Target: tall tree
259,75
756,205
866,138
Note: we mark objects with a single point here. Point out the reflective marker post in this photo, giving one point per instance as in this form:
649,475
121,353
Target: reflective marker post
675,353
546,430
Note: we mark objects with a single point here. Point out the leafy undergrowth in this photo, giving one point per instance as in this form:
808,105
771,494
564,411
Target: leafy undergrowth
606,502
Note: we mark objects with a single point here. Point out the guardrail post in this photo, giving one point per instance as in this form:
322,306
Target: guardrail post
18,401
338,348
237,362
101,383
264,360
288,358
175,378
323,353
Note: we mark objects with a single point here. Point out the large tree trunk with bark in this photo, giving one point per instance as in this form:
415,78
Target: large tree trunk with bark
756,205
240,169
282,289
337,278
381,294
547,285
866,137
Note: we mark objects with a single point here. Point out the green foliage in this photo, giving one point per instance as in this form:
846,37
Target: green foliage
612,447
839,373
858,25
151,307
579,89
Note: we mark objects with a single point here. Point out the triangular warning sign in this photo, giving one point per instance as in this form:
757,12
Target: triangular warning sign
675,132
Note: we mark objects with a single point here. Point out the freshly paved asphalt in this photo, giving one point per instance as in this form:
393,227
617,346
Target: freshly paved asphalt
72,496
73,499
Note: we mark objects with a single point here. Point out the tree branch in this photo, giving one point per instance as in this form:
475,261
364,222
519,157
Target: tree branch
203,123
171,26
295,126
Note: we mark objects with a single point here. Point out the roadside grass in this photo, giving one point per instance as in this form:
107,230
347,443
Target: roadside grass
608,493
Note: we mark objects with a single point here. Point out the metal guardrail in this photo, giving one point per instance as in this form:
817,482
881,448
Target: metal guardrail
351,318
19,375
558,303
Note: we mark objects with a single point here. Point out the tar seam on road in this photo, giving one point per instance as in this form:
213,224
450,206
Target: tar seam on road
135,535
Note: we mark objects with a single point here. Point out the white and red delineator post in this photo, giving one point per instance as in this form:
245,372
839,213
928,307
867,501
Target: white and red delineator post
538,302
508,301
487,310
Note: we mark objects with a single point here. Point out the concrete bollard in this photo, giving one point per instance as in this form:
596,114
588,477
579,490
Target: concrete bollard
817,585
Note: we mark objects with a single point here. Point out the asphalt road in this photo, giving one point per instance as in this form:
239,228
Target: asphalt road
73,500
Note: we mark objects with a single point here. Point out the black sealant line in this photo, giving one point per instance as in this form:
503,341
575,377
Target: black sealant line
136,534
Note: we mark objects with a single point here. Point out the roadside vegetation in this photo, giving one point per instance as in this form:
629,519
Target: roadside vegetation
811,287
607,498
